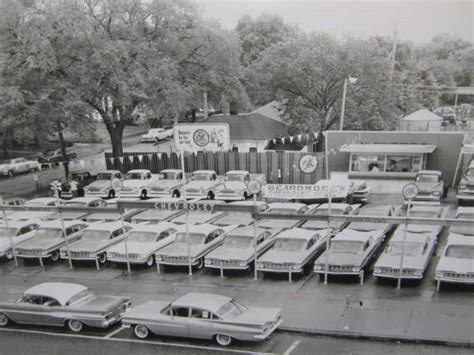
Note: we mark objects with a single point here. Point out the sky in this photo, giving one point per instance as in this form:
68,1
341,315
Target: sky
417,20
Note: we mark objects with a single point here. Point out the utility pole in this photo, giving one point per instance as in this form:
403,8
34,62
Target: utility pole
343,105
206,109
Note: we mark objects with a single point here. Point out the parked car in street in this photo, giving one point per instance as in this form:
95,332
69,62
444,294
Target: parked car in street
64,305
338,208
465,190
169,131
375,211
198,216
456,264
349,253
419,247
421,211
49,238
431,185
14,201
36,215
167,184
240,218
292,251
95,240
81,179
167,213
284,208
12,167
360,191
203,316
102,185
17,232
143,242
235,185
203,238
464,213
237,251
203,185
136,183
154,135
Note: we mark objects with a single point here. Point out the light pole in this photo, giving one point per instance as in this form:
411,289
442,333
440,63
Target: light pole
343,105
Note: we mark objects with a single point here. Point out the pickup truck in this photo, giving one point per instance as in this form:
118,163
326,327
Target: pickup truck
167,185
203,185
102,186
234,187
11,167
466,185
154,135
431,186
137,182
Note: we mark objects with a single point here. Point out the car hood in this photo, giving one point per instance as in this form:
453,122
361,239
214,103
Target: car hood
222,253
134,247
101,184
420,228
428,186
134,183
147,310
318,224
5,243
101,304
349,259
457,265
181,249
146,135
276,223
89,245
163,184
469,179
393,261
465,230
279,256
200,184
232,185
257,316
367,226
42,244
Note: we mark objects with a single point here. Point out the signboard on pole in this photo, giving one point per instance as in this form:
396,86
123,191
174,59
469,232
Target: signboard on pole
191,137
300,191
308,163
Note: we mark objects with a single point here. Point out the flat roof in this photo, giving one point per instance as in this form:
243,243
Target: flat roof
61,291
375,148
205,301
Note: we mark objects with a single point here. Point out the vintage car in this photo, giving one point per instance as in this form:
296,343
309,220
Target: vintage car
375,211
465,190
431,185
14,201
240,217
143,242
167,184
198,216
102,185
234,187
114,216
95,240
49,238
203,316
237,251
284,208
336,209
169,131
421,211
203,185
167,213
17,232
77,202
64,305
203,238
37,215
56,156
456,264
154,135
136,183
464,213
419,247
349,253
11,167
292,251
360,191
81,179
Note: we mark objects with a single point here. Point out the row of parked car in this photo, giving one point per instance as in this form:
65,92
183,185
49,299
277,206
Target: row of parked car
225,239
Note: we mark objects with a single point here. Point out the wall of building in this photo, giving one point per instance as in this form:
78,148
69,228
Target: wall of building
410,125
245,145
444,158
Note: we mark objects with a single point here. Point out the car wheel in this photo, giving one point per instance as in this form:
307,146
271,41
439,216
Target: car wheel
75,325
102,258
10,173
245,195
200,264
9,255
3,320
140,331
143,195
223,340
210,195
176,194
150,260
55,255
111,193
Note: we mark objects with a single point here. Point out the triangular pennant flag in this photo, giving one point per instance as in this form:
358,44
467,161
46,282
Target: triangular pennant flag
40,166
82,163
299,137
315,135
111,160
159,155
274,141
291,139
307,136
140,158
130,158
333,151
92,162
71,163
282,140
121,160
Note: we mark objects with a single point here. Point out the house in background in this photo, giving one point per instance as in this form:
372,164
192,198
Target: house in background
421,120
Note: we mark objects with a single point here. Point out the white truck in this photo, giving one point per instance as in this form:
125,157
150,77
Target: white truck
203,185
11,167
154,135
465,190
137,182
167,185
234,187
102,186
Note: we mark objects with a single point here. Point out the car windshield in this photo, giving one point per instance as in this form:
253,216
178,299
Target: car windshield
324,211
470,172
411,248
347,246
104,176
95,235
465,216
80,296
427,178
374,212
423,214
135,176
194,238
7,232
238,241
169,176
289,244
234,177
460,251
76,204
202,177
281,210
143,237
49,233
231,309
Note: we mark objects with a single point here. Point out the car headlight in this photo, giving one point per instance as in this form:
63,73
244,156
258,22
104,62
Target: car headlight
242,263
356,269
462,186
158,258
418,272
377,270
260,265
63,253
318,267
439,274
296,267
207,262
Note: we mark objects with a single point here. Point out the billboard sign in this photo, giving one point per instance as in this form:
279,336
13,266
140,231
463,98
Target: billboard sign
301,191
191,137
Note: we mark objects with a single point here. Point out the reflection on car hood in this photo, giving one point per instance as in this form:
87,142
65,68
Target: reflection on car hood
181,249
232,185
277,223
349,259
99,184
457,265
231,253
200,184
256,316
89,245
134,183
43,244
393,261
279,256
100,304
164,184
318,224
465,230
367,226
135,247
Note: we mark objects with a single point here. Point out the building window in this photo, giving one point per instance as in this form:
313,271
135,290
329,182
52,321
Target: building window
386,163
235,148
253,149
366,163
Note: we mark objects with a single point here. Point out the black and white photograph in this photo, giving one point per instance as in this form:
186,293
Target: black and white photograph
289,177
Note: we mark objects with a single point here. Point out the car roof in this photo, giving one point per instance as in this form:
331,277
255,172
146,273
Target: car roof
414,237
82,199
467,210
61,291
432,172
247,231
138,171
204,172
44,200
205,228
205,301
56,223
171,171
19,224
338,205
352,235
454,239
297,233
156,228
292,205
237,172
427,208
105,226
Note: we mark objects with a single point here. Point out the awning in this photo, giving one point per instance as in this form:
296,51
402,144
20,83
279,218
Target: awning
388,148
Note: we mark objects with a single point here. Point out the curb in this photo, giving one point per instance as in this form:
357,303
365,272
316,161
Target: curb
379,337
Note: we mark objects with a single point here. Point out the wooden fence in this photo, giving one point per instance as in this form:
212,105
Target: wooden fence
278,167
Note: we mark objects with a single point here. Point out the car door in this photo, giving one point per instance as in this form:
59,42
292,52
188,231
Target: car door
175,323
28,310
50,309
200,324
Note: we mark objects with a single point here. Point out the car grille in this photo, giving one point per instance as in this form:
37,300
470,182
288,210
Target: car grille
159,189
80,254
192,190
340,268
470,186
127,189
456,275
123,256
93,188
396,271
175,259
226,262
33,252
277,266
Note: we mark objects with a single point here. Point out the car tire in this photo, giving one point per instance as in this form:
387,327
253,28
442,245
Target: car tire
176,194
223,340
3,320
200,264
150,261
245,195
140,331
10,173
111,194
102,258
55,256
74,325
210,195
143,195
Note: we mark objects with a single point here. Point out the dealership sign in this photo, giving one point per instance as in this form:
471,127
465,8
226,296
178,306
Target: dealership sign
214,137
299,191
